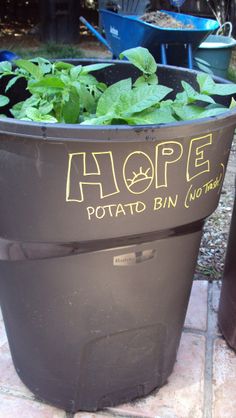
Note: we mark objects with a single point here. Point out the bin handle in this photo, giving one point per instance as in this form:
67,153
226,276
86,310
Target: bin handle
224,25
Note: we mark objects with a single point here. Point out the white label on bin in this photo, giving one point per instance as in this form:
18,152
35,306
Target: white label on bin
114,32
130,259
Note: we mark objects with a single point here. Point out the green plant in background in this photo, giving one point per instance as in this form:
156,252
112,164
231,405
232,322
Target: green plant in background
50,50
60,92
232,74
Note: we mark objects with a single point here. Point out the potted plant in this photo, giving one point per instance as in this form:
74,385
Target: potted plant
105,185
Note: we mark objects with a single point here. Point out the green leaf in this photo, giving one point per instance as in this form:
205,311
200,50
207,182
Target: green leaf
50,81
140,81
75,72
166,103
101,120
64,77
35,115
19,109
151,79
48,119
30,67
60,65
141,58
143,97
45,65
11,82
71,108
214,111
190,112
93,67
32,101
232,103
3,100
224,89
155,116
193,95
206,83
87,100
111,97
5,66
208,86
97,90
53,83
101,86
26,119
65,95
45,107
88,80
181,98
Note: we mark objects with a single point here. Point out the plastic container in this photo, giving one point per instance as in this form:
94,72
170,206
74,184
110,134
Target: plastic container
100,230
213,55
6,55
227,307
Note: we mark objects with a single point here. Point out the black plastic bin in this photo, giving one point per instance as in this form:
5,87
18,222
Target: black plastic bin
100,230
227,307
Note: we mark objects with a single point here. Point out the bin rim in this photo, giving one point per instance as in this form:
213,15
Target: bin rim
228,42
115,133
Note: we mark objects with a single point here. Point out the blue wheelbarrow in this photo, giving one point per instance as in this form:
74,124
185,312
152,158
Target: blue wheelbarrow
165,44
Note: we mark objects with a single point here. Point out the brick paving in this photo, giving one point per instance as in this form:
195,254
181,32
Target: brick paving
202,385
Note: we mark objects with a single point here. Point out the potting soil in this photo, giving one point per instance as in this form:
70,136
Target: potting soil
164,20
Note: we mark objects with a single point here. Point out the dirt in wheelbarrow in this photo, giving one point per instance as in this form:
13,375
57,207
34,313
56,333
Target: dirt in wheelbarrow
164,20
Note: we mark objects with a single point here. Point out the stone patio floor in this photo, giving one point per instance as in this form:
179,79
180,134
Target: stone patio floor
202,385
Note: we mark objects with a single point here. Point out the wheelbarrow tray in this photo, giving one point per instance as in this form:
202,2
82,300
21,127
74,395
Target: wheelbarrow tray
129,31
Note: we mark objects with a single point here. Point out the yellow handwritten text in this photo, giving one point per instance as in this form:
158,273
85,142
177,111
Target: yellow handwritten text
102,175
214,184
96,176
197,162
113,211
167,153
165,202
195,193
